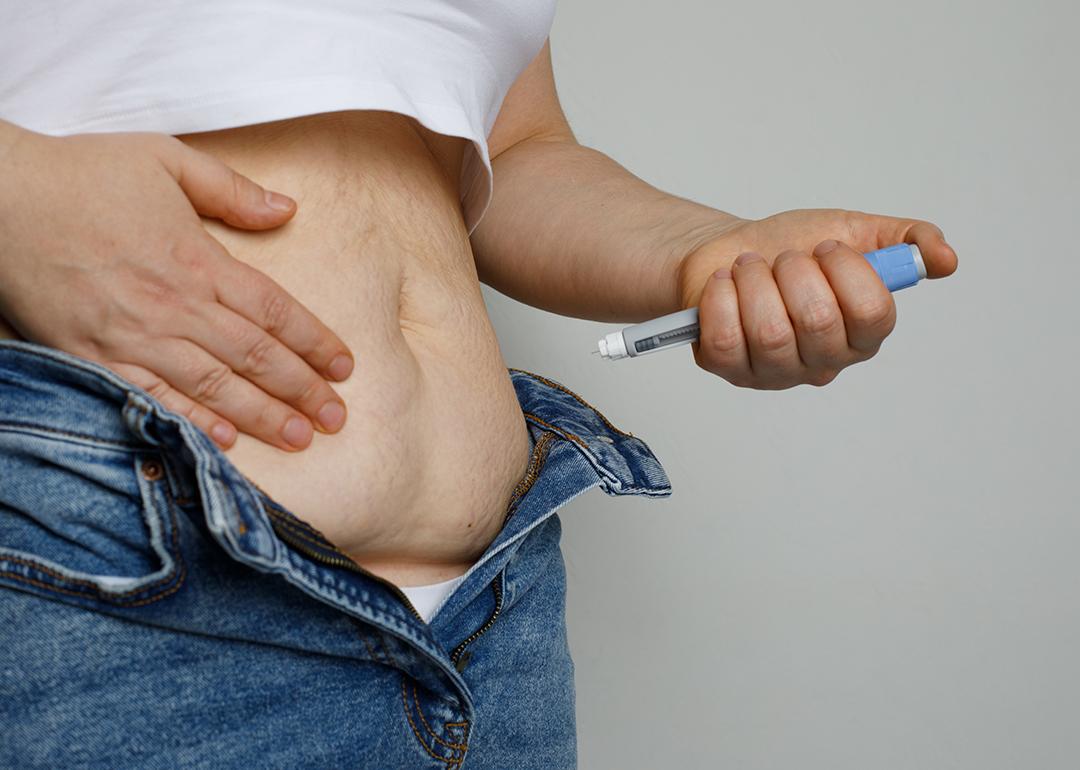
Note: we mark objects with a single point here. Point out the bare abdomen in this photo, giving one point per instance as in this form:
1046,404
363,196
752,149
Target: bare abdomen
415,486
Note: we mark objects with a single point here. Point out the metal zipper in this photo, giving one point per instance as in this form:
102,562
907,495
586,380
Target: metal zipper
458,656
536,462
344,563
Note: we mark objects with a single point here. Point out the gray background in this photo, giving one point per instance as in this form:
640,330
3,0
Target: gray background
881,573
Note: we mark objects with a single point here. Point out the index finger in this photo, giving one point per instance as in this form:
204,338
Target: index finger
261,300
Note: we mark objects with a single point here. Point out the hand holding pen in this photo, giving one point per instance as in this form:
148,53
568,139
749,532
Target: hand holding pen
801,319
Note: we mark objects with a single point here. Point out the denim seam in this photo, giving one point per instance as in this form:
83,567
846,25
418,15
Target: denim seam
347,600
532,472
450,761
179,574
370,648
576,397
81,438
584,448
427,727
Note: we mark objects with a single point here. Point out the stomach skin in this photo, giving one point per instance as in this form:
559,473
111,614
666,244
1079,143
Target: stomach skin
415,486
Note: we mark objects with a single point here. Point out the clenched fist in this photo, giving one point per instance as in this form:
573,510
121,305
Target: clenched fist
790,299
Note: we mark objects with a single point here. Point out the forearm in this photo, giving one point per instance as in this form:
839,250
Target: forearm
571,231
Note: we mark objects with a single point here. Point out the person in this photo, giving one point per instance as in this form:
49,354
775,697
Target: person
268,491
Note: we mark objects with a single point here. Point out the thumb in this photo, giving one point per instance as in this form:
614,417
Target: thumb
938,255
215,190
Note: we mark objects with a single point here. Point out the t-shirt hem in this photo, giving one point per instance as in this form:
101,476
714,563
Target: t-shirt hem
265,102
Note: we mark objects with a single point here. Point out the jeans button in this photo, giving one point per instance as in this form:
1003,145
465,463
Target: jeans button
152,470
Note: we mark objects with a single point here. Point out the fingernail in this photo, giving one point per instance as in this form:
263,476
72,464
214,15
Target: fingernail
278,202
223,433
331,416
297,431
748,256
341,367
824,247
722,273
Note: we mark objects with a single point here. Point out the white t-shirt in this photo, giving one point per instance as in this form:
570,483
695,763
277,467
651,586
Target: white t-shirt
426,599
179,66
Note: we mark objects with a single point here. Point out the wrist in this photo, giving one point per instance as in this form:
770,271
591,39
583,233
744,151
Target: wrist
704,238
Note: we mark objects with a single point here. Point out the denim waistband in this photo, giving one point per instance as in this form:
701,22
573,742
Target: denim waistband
49,391
61,392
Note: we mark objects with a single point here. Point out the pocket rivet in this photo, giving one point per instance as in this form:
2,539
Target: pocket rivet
152,470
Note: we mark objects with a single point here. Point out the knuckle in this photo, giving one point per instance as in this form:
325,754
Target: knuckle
819,317
259,356
236,189
211,384
725,340
157,388
786,256
850,224
275,311
191,258
866,354
822,377
876,314
774,336
309,391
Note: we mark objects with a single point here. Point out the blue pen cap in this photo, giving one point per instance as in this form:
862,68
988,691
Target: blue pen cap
898,266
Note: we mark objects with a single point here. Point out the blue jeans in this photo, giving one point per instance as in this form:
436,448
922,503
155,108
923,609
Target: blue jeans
158,610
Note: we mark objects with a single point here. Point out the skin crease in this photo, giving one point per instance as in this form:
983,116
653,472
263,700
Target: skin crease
414,485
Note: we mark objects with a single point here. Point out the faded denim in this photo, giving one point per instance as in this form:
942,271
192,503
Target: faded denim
157,610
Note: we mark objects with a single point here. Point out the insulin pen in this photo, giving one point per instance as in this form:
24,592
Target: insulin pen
898,266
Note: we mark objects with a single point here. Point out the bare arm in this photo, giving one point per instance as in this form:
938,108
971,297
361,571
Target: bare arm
572,231
569,229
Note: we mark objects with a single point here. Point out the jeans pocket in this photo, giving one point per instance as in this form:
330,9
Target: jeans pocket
85,519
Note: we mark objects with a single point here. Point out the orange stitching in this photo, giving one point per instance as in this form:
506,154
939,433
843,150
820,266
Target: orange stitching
579,399
370,649
420,713
51,432
532,472
179,575
50,587
561,431
408,715
38,567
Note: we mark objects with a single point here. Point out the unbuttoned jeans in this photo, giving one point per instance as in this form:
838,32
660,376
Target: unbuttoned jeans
157,610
